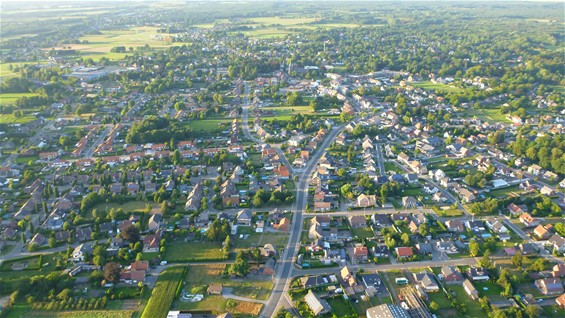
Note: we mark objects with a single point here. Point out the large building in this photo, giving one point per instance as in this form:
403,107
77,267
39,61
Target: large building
387,311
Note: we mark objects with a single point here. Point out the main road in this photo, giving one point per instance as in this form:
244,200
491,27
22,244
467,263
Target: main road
285,264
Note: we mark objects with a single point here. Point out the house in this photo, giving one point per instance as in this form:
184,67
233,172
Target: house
403,252
424,248
259,226
361,253
528,249
466,195
364,201
322,220
558,270
387,311
316,304
542,232
380,220
477,274
80,252
151,243
411,178
451,275
214,289
515,210
447,247
470,289
244,218
315,231
347,277
308,282
557,242
268,268
155,222
413,227
426,281
547,191
549,286
495,225
560,301
357,221
283,225
38,239
475,225
409,202
454,226
528,220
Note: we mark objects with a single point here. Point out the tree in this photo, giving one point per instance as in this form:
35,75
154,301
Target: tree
473,247
51,242
240,267
423,229
486,262
130,233
434,306
532,311
518,259
112,272
405,239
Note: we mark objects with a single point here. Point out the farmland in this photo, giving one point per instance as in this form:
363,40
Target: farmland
164,292
194,252
100,45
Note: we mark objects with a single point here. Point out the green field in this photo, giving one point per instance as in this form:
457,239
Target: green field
487,114
340,307
11,98
260,239
429,86
164,292
194,252
99,45
11,119
78,314
131,206
209,125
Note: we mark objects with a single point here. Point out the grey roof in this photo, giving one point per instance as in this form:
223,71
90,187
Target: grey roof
387,311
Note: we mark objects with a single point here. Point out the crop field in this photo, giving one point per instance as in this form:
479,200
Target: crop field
194,252
99,45
164,292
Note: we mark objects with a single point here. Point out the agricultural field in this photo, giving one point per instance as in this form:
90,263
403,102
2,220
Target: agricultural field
429,86
97,46
164,292
79,314
11,119
194,252
199,277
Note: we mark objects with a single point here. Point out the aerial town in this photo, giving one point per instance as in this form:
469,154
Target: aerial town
282,159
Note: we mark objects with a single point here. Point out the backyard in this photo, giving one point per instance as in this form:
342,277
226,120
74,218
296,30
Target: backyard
194,252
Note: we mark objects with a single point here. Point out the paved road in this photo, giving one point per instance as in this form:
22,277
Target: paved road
543,252
103,134
286,263
380,159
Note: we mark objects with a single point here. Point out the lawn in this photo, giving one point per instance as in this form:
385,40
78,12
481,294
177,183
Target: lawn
492,290
362,233
340,307
486,114
473,308
11,98
131,206
260,239
554,311
194,252
504,192
429,86
209,125
448,212
389,166
11,119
